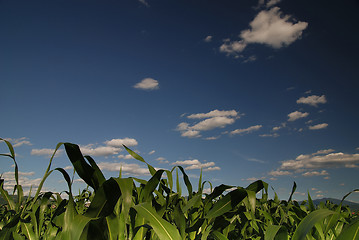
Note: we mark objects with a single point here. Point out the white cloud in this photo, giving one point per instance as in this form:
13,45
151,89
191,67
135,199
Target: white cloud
212,138
147,84
279,173
127,156
315,173
313,100
127,169
276,128
305,162
117,142
24,181
99,151
152,152
196,164
68,168
251,179
211,120
232,47
325,151
211,169
318,126
162,160
297,115
246,130
17,142
214,113
45,152
208,38
191,134
211,123
272,28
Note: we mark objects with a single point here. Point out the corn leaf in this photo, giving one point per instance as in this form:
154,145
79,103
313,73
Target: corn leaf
309,221
163,229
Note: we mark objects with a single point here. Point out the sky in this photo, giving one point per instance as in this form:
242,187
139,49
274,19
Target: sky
243,90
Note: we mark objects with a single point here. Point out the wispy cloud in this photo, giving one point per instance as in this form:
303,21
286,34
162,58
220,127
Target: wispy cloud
208,121
147,84
162,160
99,151
144,2
126,157
315,173
246,130
313,100
24,180
47,152
17,142
196,164
111,147
318,126
274,135
127,169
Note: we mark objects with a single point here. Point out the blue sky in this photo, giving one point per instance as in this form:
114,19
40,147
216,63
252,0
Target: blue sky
244,90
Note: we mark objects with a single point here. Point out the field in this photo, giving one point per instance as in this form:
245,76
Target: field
132,208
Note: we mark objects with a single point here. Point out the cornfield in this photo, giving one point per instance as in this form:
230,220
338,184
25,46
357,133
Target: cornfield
131,208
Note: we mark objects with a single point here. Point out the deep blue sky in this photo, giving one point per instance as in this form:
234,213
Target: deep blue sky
244,89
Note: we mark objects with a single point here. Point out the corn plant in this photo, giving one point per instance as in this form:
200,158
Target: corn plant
132,208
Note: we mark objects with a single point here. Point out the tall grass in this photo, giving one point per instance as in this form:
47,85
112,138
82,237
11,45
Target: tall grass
132,208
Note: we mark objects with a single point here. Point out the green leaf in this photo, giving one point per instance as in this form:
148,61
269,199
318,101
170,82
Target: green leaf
9,200
350,232
219,236
293,190
151,185
139,158
227,203
309,221
275,232
163,229
92,176
105,200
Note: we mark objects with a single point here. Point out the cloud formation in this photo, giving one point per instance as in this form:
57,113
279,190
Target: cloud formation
118,142
323,159
208,121
246,130
318,126
99,151
147,84
296,115
127,169
24,181
196,164
313,100
270,27
47,152
17,142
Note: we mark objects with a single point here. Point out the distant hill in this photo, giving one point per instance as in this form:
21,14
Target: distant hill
352,205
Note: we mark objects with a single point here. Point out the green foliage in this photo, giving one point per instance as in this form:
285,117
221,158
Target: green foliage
132,208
